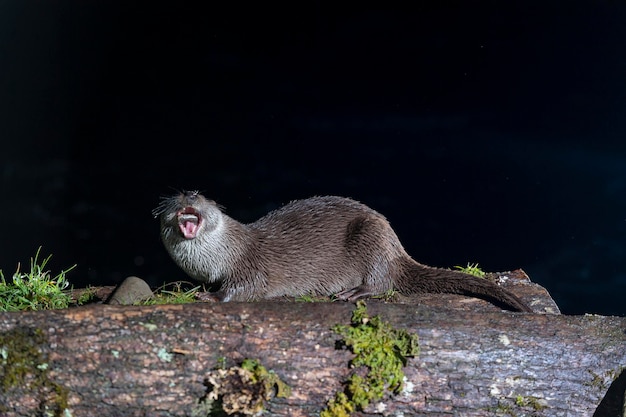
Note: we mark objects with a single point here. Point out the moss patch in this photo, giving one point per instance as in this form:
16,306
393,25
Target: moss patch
472,269
535,403
381,353
23,366
242,390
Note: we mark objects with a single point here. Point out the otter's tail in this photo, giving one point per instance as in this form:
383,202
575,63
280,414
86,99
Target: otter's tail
420,278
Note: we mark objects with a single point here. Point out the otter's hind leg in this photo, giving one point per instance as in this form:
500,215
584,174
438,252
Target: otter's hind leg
356,293
371,250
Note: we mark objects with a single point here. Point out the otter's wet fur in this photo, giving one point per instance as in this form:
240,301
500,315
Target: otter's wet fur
317,246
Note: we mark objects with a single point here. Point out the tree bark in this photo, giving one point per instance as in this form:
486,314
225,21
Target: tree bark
105,360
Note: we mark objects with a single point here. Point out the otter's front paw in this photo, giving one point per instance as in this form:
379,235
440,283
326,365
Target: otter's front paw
208,297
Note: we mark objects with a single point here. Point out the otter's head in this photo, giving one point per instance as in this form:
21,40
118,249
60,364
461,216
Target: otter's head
187,215
191,227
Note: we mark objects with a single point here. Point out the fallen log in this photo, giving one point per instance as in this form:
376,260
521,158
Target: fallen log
111,360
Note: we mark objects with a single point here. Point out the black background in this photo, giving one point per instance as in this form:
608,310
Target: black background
489,132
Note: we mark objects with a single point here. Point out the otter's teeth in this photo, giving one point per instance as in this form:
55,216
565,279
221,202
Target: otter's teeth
189,224
188,218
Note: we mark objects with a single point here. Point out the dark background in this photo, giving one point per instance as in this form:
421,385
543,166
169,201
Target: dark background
489,132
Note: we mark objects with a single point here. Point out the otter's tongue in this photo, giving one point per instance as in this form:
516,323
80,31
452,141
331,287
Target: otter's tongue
189,223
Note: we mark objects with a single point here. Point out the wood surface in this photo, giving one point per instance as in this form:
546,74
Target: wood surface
475,360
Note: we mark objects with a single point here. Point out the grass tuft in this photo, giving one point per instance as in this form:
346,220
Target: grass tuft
37,289
472,269
177,295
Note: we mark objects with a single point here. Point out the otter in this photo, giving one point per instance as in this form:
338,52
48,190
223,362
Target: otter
323,245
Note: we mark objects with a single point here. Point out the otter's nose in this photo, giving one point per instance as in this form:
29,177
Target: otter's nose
191,195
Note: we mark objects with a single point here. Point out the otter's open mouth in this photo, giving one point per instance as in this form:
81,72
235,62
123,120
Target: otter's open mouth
189,221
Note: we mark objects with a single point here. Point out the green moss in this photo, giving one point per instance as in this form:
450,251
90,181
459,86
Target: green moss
87,296
388,296
340,406
520,405
603,380
23,366
378,348
268,378
221,362
535,403
309,298
20,354
243,390
503,409
596,381
472,269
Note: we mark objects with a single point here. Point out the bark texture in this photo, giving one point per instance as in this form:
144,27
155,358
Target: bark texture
106,360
